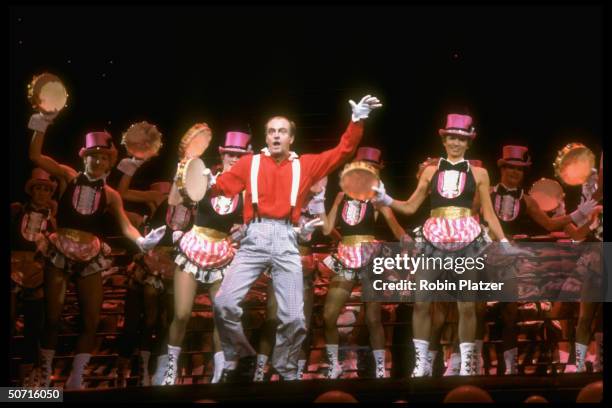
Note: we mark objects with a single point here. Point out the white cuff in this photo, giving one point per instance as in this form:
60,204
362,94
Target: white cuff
38,123
578,218
316,207
127,166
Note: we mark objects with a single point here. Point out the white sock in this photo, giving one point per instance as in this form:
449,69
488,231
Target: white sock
262,359
332,354
379,359
258,375
468,356
454,365
300,368
174,351
598,366
162,362
219,360
581,350
510,360
421,347
78,367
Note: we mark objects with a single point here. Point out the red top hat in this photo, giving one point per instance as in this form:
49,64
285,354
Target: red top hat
39,176
161,186
236,142
370,155
515,155
460,125
99,142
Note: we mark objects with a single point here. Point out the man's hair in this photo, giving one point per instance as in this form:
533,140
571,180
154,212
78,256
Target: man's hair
291,124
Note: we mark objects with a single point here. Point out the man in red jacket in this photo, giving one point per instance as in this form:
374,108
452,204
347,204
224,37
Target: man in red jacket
276,182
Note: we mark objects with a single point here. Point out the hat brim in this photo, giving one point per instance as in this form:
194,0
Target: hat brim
233,150
445,132
36,182
378,165
111,152
502,162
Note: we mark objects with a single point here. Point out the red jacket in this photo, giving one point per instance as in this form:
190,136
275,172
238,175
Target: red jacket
274,180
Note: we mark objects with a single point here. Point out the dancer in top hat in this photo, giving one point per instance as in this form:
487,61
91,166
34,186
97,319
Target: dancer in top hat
75,251
514,208
590,230
204,256
452,230
355,253
516,211
442,312
150,285
277,183
30,223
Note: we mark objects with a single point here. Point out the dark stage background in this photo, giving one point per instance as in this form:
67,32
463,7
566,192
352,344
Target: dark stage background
528,75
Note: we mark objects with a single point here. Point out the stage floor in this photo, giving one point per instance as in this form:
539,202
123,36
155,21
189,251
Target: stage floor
557,388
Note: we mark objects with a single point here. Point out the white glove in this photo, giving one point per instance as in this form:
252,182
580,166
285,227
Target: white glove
40,121
305,232
129,165
510,250
212,179
317,203
176,235
151,239
581,215
362,109
381,195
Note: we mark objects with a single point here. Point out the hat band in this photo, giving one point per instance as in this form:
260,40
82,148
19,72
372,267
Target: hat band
370,161
234,147
460,129
99,147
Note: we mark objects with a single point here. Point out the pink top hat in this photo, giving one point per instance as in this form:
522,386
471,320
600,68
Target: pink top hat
161,186
369,154
99,142
39,176
236,142
458,125
515,155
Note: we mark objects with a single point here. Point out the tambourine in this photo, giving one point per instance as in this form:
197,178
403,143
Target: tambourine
26,271
574,164
142,140
195,141
47,93
358,178
547,193
191,179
